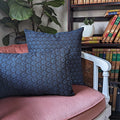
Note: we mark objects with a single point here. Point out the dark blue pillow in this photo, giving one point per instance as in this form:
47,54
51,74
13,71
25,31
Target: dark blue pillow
35,73
39,41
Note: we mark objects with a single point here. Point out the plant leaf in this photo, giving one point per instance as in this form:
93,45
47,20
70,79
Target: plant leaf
30,0
19,12
6,40
47,29
55,3
23,3
49,10
36,19
53,18
9,23
4,7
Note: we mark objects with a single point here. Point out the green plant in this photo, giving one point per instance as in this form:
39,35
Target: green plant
20,10
88,21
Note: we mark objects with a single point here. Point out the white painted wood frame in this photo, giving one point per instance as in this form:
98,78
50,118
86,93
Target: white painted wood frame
105,66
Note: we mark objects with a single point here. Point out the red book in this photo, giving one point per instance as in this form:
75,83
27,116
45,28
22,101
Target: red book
108,28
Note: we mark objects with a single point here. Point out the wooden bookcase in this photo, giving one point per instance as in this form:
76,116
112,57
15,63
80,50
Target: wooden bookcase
86,7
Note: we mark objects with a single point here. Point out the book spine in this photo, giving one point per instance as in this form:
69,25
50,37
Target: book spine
72,2
111,89
95,1
115,33
99,1
110,0
75,2
107,1
108,28
103,1
101,55
114,98
115,10
112,13
87,1
91,1
92,41
113,29
112,72
117,66
80,1
117,37
92,38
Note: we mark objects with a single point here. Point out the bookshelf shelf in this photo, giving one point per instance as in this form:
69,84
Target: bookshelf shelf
100,45
100,6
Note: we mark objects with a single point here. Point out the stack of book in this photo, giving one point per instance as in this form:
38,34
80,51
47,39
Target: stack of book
74,2
113,56
88,40
112,31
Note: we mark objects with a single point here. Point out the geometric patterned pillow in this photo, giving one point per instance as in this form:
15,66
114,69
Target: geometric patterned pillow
35,73
39,41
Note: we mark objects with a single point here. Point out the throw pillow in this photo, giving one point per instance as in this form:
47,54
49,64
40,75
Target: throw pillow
39,41
35,73
21,48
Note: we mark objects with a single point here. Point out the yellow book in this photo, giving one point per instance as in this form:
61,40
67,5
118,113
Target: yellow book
92,41
92,38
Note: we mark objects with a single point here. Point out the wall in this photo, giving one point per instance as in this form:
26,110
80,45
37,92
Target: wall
63,18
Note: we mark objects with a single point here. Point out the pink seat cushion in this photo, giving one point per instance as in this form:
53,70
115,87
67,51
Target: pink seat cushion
52,107
16,48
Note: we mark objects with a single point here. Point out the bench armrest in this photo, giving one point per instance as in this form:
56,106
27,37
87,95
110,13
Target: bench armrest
105,66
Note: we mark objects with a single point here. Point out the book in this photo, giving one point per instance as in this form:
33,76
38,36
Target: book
99,1
113,29
114,98
117,37
95,1
80,1
75,1
92,38
113,63
103,1
90,41
112,13
91,1
108,28
117,66
111,89
87,1
115,10
114,34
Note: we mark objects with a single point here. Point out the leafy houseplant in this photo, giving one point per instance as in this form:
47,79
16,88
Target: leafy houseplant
18,11
88,27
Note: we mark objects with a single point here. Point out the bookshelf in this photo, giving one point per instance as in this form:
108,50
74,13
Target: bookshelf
86,7
91,7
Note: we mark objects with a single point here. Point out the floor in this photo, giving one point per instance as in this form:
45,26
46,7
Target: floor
115,116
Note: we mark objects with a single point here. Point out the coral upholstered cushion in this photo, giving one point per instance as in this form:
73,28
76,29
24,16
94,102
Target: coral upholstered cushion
54,107
39,41
20,48
35,73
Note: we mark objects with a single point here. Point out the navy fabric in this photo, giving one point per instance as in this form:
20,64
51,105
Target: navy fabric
39,41
35,73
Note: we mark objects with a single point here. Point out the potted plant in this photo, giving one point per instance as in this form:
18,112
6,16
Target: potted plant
21,10
88,27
